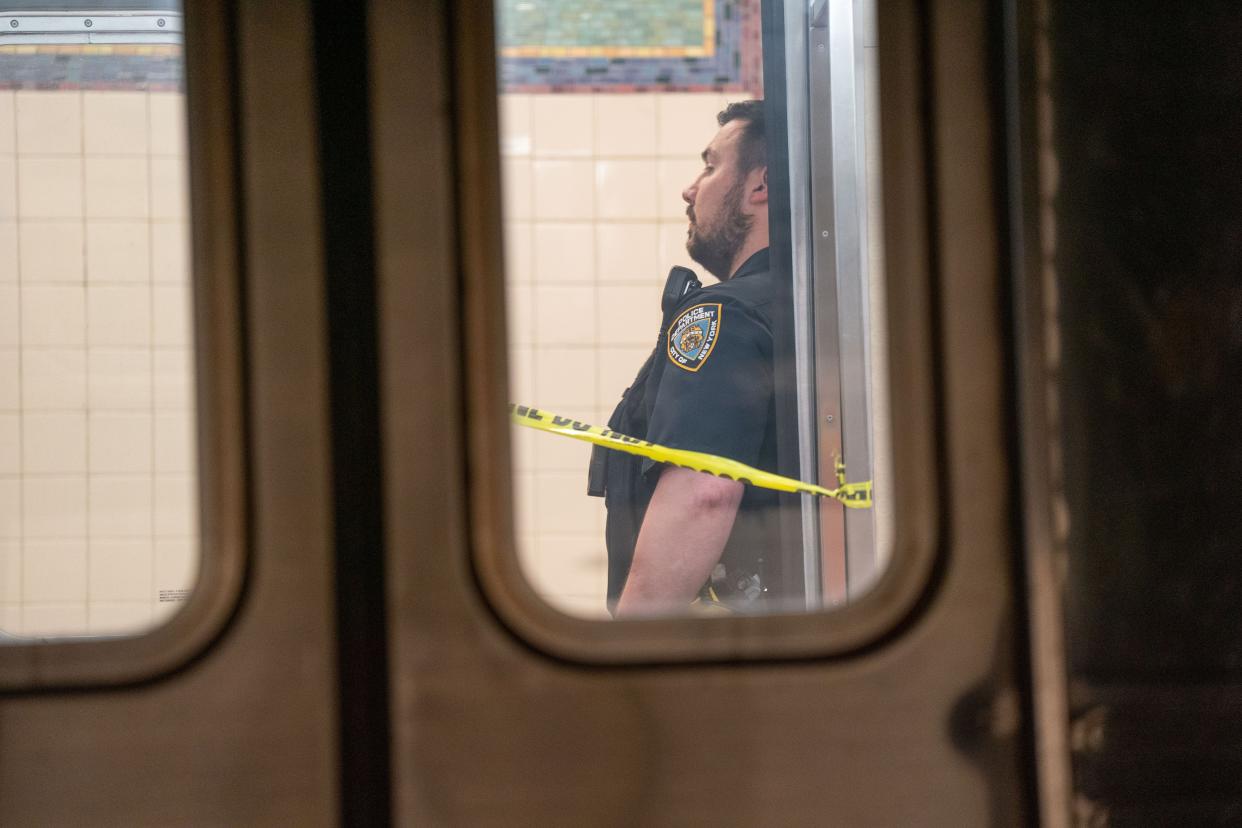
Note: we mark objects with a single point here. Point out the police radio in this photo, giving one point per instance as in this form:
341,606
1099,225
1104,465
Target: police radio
681,280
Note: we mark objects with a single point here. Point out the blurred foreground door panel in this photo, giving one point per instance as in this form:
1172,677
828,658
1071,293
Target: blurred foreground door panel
926,728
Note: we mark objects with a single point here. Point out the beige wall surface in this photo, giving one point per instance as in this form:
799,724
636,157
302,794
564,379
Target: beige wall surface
97,468
98,515
98,528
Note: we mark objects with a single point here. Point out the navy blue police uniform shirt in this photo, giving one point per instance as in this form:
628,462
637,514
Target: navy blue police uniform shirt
715,395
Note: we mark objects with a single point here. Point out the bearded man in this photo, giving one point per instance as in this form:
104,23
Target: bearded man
675,535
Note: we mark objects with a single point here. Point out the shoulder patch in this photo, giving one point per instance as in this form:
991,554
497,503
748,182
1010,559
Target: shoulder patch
692,336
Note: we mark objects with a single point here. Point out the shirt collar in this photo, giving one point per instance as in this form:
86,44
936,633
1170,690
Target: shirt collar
757,263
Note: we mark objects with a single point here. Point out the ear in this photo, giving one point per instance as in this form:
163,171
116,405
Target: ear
758,186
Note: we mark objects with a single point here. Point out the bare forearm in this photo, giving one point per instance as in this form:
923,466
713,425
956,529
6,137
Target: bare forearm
683,534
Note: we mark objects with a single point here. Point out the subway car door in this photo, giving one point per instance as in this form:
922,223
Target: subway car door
365,643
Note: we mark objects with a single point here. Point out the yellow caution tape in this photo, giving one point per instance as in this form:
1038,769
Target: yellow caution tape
853,495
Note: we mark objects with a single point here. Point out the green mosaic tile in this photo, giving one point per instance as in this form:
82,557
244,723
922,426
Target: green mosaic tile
661,24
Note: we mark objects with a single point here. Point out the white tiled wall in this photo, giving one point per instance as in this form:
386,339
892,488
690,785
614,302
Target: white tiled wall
97,465
593,221
97,468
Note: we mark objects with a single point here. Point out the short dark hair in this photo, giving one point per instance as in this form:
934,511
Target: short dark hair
753,149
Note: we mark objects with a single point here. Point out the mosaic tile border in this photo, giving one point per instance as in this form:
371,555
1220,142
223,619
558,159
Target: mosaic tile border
736,64
706,49
93,66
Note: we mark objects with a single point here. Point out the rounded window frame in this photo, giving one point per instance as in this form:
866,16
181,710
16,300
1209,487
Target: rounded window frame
51,664
909,580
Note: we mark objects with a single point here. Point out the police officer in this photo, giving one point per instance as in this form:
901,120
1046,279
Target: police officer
675,535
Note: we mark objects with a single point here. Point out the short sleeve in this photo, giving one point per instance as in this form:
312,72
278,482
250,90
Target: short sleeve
715,392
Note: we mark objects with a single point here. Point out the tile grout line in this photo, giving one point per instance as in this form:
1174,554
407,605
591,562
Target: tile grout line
531,239
153,595
595,297
21,397
86,382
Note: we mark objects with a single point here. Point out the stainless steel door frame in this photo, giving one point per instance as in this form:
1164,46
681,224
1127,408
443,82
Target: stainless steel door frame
840,288
797,117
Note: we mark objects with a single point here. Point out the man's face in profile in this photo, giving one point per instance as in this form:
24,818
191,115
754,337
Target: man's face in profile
719,224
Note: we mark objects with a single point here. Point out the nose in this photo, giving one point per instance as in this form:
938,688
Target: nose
688,194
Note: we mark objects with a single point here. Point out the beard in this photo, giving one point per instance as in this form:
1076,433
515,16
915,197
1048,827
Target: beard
715,246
